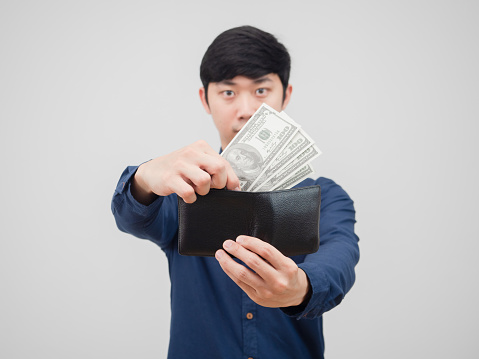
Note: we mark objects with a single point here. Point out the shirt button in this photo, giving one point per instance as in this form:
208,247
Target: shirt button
249,316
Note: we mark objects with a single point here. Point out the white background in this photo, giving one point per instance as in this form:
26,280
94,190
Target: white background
388,89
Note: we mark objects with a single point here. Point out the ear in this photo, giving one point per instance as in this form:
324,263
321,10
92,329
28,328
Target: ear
203,100
287,96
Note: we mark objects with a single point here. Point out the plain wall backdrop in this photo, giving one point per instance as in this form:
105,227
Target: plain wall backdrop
388,90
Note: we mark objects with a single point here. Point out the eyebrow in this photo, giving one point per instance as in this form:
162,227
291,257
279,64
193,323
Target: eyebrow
227,82
262,80
256,81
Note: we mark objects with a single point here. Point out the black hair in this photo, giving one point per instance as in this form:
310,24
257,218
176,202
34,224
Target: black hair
244,51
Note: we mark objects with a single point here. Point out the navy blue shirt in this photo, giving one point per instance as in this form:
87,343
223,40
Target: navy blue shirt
211,317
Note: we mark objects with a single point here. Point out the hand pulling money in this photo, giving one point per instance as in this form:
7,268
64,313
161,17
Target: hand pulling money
271,152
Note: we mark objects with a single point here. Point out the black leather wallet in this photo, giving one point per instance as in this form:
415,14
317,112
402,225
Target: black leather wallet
287,219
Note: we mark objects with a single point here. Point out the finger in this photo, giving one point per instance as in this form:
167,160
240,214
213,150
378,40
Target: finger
183,189
250,291
238,272
199,179
218,180
215,166
263,269
220,170
265,251
232,181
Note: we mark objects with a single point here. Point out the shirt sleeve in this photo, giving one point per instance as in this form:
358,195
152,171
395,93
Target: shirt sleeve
331,269
157,222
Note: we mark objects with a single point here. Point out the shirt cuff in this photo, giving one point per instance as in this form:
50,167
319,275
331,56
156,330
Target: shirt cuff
319,293
140,208
136,207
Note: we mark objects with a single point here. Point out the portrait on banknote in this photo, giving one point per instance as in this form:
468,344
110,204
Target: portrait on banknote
245,160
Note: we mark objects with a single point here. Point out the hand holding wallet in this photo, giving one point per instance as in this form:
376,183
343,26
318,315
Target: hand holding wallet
287,219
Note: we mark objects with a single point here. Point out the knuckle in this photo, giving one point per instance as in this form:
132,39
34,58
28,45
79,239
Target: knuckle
219,183
204,180
188,195
201,143
189,151
202,191
291,268
254,262
206,177
280,286
218,167
265,252
189,192
242,274
291,271
179,163
185,150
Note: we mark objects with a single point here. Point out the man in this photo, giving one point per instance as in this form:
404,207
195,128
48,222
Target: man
263,305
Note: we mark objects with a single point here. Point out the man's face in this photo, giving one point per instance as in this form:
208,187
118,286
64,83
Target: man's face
231,103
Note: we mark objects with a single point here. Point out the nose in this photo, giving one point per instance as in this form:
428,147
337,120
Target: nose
247,106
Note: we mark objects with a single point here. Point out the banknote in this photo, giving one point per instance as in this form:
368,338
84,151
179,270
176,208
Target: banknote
298,144
290,169
300,175
258,143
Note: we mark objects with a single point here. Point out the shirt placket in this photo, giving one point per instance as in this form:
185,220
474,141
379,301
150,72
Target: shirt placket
250,338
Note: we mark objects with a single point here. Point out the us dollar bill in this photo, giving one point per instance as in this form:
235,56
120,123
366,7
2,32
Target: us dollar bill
290,169
300,175
298,143
258,143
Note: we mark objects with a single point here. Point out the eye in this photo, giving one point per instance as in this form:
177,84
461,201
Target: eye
228,93
261,91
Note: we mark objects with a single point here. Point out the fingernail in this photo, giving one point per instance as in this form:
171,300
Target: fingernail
238,188
240,239
227,244
218,255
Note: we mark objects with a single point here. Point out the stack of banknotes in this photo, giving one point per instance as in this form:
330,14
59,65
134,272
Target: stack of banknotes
271,152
